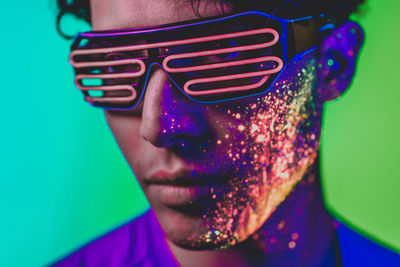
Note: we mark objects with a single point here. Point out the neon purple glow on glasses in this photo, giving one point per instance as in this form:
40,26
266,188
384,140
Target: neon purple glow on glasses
209,61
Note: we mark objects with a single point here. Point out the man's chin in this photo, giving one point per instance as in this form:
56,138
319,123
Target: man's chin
193,232
202,243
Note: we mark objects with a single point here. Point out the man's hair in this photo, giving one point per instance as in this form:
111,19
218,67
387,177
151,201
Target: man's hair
335,11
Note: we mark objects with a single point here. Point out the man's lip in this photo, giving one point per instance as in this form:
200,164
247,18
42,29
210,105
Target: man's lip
195,196
185,178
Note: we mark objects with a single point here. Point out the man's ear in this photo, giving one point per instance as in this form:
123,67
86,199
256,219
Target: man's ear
338,58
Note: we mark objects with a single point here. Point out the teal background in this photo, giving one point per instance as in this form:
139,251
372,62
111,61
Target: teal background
64,181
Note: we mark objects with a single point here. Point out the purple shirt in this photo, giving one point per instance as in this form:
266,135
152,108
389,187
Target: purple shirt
141,242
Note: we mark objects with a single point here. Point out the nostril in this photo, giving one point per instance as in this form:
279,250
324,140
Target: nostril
191,145
183,146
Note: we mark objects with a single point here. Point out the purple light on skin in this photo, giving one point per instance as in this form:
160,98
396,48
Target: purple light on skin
269,154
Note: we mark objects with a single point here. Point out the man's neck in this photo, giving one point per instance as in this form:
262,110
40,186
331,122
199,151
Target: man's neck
298,232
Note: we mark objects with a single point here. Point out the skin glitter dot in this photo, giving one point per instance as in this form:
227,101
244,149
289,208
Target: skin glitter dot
350,53
292,244
260,138
295,236
280,226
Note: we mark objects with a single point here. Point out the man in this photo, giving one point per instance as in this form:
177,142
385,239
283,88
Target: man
218,113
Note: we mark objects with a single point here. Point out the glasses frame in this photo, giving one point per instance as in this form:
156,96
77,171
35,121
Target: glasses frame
296,37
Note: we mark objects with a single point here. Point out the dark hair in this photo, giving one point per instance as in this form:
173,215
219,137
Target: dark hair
335,11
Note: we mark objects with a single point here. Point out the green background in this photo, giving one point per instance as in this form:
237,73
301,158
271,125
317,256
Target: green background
64,181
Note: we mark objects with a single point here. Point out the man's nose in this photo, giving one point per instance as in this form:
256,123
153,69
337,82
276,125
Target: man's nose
169,118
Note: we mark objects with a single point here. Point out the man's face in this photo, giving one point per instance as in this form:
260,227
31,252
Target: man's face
213,173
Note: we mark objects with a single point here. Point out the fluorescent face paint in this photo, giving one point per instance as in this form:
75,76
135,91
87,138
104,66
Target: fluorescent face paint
273,140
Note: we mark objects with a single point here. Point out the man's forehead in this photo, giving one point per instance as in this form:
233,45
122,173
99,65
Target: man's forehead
119,14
